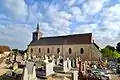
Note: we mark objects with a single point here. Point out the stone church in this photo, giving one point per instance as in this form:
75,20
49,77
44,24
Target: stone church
75,45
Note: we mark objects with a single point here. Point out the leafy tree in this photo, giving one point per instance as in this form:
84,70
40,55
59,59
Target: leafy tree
110,53
116,54
106,53
110,47
118,47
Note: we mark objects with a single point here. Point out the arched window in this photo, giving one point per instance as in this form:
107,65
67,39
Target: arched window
39,50
48,50
70,50
81,50
31,50
58,50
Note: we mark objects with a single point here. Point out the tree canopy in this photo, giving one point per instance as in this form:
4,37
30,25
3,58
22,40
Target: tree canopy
118,47
110,52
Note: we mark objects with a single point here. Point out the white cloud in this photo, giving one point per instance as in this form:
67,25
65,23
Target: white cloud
112,13
16,35
70,2
75,11
57,19
92,6
85,28
65,15
108,32
16,8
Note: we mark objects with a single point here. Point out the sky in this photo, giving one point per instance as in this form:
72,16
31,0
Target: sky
18,19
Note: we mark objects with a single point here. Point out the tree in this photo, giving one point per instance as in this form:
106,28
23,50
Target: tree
109,53
118,47
116,54
106,52
110,47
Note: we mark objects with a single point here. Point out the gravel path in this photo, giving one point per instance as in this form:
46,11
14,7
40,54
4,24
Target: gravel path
114,76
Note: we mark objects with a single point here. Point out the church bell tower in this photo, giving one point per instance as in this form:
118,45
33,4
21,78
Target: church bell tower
37,34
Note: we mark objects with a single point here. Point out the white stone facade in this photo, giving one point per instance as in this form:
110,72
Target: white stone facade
90,52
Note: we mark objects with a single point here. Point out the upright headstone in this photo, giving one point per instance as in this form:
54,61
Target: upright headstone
34,73
53,61
53,56
77,65
50,57
58,61
29,56
15,66
83,68
65,67
79,59
25,74
25,56
75,75
46,59
69,63
73,63
49,69
42,58
80,66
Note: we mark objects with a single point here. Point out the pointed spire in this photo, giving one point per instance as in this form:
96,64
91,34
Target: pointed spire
37,27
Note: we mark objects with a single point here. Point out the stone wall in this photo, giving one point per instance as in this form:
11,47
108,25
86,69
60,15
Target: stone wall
89,51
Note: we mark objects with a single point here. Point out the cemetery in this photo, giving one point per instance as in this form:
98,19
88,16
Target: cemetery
28,67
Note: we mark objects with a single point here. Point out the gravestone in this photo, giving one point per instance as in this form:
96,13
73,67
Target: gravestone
46,59
34,73
15,66
53,61
69,63
65,66
73,62
25,56
25,74
83,68
77,60
29,56
58,61
74,75
49,68
53,57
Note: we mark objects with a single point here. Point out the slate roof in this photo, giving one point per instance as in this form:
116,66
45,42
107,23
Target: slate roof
67,39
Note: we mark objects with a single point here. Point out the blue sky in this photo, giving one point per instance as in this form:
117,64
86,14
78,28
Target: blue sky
18,19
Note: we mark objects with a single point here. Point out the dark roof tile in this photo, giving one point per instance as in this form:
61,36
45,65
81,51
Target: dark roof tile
68,39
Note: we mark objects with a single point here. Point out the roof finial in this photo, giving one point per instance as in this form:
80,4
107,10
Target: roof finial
37,27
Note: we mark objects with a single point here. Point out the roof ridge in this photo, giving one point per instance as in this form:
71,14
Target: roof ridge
66,35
